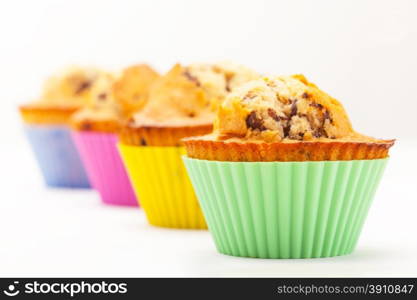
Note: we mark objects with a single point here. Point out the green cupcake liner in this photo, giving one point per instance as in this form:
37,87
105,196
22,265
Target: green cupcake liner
285,209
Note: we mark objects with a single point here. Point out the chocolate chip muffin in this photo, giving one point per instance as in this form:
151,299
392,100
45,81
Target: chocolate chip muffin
63,94
284,174
285,118
114,98
182,103
47,125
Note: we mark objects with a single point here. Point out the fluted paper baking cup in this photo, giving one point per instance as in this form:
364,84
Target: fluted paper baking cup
57,156
285,209
104,167
161,183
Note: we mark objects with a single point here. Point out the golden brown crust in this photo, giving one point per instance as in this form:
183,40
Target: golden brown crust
282,107
175,96
105,126
131,90
160,136
296,151
32,114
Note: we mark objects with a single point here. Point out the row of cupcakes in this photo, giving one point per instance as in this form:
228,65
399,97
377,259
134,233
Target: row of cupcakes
280,174
82,113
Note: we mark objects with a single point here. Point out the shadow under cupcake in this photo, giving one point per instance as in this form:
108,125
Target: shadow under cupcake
284,175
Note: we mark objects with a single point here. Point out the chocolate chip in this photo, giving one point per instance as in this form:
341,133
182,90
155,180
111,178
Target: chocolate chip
326,116
293,108
320,132
228,87
271,83
102,96
82,87
286,130
317,134
191,114
296,136
305,95
272,113
249,96
86,126
192,78
253,122
317,105
143,142
131,121
228,79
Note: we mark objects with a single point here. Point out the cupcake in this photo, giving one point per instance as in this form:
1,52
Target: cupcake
283,174
47,126
181,104
96,126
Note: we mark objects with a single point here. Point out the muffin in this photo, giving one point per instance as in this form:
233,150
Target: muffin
113,99
132,89
181,104
47,126
63,94
283,174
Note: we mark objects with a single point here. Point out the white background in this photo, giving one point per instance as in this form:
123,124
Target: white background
362,52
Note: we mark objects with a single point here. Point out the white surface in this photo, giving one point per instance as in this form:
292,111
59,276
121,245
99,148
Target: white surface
52,232
362,52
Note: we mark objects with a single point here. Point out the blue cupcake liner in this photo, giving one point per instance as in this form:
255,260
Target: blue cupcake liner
57,156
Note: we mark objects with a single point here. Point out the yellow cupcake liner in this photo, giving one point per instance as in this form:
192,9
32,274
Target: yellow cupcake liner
161,182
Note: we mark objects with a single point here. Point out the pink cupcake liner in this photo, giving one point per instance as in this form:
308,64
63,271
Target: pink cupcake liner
104,167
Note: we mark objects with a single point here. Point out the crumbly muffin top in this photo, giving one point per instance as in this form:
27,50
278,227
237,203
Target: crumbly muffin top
70,87
283,108
131,89
189,95
218,79
114,98
102,105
